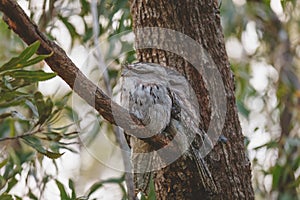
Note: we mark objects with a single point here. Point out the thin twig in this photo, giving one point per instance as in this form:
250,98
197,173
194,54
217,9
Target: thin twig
19,136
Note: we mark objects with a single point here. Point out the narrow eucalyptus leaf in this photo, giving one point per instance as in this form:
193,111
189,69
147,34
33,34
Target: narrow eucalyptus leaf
16,62
36,60
63,193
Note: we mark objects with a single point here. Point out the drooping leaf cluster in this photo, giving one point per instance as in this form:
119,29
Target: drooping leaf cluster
34,127
28,130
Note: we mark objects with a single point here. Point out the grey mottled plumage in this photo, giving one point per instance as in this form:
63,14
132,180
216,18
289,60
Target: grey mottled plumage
145,98
165,103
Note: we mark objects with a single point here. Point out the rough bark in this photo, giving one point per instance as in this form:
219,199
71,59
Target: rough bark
227,162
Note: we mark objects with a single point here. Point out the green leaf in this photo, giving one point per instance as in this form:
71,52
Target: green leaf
53,155
87,35
35,60
94,188
85,7
2,182
242,109
53,136
32,196
30,76
99,184
12,182
63,127
296,183
71,186
48,109
17,197
72,114
44,108
23,57
15,102
15,158
151,195
3,163
268,145
8,173
26,156
39,102
112,73
12,95
41,107
63,193
6,196
114,180
30,50
276,172
12,128
36,143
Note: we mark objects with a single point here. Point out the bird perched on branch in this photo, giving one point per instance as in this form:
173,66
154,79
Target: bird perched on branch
165,103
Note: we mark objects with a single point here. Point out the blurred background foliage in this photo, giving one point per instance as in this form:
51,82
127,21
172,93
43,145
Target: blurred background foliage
51,142
262,41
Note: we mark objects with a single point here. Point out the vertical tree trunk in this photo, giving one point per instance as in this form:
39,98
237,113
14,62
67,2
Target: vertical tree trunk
227,162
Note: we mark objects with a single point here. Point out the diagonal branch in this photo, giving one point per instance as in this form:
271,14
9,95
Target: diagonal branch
60,63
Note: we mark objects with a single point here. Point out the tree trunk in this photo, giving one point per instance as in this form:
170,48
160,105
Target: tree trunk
200,20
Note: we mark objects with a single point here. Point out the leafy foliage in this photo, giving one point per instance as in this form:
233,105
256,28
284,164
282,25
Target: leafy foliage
265,33
26,120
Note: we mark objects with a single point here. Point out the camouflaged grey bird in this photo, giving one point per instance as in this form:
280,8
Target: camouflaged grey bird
164,102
